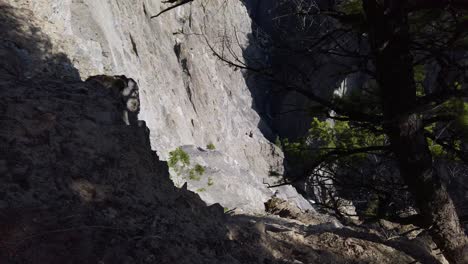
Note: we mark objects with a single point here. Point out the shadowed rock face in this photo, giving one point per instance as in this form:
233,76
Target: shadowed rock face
78,185
188,96
127,90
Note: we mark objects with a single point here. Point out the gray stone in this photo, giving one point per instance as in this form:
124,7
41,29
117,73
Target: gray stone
95,192
188,96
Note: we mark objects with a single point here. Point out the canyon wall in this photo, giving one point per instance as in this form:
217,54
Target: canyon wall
188,96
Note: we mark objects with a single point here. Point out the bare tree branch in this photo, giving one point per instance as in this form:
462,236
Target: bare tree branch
180,3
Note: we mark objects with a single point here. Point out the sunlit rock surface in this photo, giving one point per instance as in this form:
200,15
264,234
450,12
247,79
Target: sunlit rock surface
189,97
78,185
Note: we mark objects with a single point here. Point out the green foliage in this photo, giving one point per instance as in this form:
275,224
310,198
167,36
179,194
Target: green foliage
354,9
199,169
436,149
333,136
211,146
351,7
196,172
278,142
178,156
420,21
201,190
210,181
372,206
179,162
274,173
295,148
462,120
322,131
342,135
419,77
193,176
458,108
297,152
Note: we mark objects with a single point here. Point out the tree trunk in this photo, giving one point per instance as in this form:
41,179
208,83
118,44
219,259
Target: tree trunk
390,42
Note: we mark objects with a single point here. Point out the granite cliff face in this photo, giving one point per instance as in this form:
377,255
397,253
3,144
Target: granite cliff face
188,96
79,185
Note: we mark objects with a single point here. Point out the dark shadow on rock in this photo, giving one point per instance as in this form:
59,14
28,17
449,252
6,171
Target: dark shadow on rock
77,185
26,52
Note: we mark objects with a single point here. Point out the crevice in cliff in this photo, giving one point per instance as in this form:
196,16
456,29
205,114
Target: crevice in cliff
186,75
177,50
189,93
134,46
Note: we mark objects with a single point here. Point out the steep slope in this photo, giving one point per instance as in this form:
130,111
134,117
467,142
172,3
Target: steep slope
188,96
78,185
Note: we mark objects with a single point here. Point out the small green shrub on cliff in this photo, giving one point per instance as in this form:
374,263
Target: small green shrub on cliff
211,146
178,156
210,181
179,162
274,173
196,172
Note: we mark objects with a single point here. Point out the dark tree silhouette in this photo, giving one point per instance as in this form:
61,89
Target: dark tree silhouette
391,45
389,41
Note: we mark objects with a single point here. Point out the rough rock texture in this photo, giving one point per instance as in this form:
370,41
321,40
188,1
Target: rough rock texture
78,185
188,96
285,209
227,182
385,236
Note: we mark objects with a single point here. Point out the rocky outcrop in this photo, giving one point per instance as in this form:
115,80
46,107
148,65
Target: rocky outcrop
227,182
188,96
80,185
77,184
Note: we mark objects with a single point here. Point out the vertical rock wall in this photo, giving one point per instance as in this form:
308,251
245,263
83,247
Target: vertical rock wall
188,96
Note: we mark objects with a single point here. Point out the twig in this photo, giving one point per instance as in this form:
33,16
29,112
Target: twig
183,2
